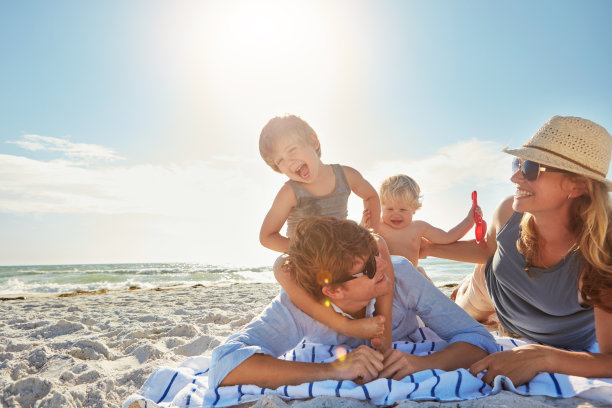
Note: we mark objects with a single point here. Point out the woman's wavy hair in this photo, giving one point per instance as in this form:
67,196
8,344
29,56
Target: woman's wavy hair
591,224
323,251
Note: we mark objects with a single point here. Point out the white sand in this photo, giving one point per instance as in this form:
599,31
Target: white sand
94,350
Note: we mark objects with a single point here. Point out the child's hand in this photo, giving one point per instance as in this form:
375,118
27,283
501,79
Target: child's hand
480,228
365,219
475,210
366,328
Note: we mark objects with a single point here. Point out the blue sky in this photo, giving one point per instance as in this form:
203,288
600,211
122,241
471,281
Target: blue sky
128,130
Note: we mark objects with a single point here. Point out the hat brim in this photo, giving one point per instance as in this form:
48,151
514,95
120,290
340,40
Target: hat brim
549,159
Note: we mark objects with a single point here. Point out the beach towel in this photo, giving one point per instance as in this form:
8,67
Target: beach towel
187,385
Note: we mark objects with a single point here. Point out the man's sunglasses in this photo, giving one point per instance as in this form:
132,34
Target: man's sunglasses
369,270
530,169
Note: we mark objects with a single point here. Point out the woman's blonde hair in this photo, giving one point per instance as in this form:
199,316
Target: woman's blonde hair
591,225
401,189
289,126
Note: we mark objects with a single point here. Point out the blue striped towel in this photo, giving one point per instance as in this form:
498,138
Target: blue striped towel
187,385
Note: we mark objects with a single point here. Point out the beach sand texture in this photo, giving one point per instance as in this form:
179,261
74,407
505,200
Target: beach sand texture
94,350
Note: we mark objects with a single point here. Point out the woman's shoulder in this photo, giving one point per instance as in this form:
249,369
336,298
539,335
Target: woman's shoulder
502,213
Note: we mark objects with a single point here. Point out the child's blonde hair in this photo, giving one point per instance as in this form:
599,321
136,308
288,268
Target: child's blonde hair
290,126
401,189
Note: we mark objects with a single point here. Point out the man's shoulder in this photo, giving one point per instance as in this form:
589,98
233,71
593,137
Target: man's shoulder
283,302
402,267
400,262
407,277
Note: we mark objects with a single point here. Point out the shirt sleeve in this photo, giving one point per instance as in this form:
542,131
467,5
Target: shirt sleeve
437,311
275,331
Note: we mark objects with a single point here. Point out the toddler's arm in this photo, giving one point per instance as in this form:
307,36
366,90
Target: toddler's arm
384,303
363,189
366,328
439,236
269,235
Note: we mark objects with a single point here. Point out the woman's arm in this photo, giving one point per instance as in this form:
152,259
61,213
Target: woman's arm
470,251
269,235
523,363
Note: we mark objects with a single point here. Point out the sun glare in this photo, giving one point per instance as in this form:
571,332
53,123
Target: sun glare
269,52
252,60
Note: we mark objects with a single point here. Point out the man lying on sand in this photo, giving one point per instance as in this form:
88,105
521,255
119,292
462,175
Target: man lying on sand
328,258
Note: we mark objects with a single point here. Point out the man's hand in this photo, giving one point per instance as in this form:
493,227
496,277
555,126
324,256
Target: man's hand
398,365
361,365
520,364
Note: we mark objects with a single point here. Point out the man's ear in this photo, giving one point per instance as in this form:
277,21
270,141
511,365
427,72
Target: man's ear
333,291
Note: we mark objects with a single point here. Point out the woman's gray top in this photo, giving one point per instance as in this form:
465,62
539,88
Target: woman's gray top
334,204
545,307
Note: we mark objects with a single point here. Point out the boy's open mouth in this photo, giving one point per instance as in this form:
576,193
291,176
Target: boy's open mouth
303,171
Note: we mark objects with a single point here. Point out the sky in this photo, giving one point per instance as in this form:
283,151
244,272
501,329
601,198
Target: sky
129,130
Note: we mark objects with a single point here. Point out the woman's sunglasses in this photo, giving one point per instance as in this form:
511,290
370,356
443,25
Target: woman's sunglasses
531,170
369,270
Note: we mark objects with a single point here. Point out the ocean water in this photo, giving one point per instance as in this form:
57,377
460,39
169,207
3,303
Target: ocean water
58,279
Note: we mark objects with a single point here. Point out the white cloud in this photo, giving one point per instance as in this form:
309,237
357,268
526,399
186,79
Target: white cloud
32,186
82,152
207,210
475,162
199,211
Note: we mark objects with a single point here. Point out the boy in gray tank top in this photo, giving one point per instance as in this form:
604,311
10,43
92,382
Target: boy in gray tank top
290,146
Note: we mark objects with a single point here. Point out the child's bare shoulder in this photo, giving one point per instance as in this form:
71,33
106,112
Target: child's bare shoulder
287,193
350,173
393,234
419,225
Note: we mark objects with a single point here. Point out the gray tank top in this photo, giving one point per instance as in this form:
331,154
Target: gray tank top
332,205
544,308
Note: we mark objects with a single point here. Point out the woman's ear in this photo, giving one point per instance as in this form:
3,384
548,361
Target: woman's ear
578,187
333,291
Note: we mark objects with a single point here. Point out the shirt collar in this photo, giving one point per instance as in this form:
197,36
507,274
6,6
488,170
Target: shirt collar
368,313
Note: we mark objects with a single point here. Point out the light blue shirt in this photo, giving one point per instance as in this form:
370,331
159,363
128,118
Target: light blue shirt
282,326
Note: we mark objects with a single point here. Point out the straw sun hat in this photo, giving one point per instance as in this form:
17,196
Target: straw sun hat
570,143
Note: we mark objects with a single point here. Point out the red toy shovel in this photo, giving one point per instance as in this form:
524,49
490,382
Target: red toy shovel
480,227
